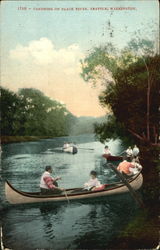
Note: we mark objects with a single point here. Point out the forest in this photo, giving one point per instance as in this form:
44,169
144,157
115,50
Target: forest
30,113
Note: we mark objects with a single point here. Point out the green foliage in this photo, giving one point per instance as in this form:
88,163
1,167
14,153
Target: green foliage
111,128
32,113
128,96
85,124
133,92
12,115
145,47
104,56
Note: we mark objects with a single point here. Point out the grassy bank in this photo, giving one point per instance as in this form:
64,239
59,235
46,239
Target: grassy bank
142,232
11,139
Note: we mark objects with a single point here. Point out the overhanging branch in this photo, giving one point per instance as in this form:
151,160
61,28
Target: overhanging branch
143,138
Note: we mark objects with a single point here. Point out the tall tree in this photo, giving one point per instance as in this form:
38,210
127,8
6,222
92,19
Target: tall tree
128,102
131,86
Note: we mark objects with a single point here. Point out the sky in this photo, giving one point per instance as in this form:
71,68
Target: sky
42,43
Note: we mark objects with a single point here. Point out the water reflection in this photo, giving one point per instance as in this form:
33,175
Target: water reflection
73,225
48,215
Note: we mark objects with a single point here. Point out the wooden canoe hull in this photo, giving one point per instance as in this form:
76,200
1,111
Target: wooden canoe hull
15,196
112,157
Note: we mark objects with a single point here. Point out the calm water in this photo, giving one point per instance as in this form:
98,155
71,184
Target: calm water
75,225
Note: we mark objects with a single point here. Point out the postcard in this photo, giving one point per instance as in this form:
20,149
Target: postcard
77,77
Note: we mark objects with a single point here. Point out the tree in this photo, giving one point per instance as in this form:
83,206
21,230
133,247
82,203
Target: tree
144,48
44,115
35,110
128,102
130,92
30,112
100,59
12,115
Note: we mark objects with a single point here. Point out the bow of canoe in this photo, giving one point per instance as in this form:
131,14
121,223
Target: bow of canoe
112,157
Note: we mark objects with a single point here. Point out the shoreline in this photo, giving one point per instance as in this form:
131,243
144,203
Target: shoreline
25,138
6,139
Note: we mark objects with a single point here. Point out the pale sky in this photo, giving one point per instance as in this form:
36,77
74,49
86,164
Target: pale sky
42,48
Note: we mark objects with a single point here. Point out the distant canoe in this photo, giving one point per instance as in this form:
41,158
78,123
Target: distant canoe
70,149
15,196
112,157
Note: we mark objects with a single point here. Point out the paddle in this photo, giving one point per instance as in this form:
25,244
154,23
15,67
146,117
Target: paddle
1,236
121,153
87,148
132,191
65,192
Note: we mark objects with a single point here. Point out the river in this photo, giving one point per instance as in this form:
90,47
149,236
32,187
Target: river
75,225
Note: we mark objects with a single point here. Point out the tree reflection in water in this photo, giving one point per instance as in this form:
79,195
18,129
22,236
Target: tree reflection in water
49,218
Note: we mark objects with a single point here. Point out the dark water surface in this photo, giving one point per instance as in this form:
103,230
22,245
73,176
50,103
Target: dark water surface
75,225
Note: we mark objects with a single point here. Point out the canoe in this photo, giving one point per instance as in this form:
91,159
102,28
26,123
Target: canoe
70,149
112,157
15,196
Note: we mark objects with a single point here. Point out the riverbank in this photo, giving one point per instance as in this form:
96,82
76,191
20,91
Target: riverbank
142,232
13,139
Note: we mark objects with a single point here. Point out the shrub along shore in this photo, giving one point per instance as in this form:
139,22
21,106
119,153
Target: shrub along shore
13,139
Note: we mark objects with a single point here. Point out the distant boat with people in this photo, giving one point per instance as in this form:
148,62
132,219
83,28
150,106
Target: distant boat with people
129,153
108,155
70,148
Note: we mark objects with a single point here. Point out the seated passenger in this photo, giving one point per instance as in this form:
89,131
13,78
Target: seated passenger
129,168
48,184
135,151
93,182
106,150
66,145
137,166
74,149
129,152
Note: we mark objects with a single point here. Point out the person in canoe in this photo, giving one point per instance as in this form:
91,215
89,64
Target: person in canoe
66,145
135,151
75,150
48,184
129,153
129,168
107,151
93,183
